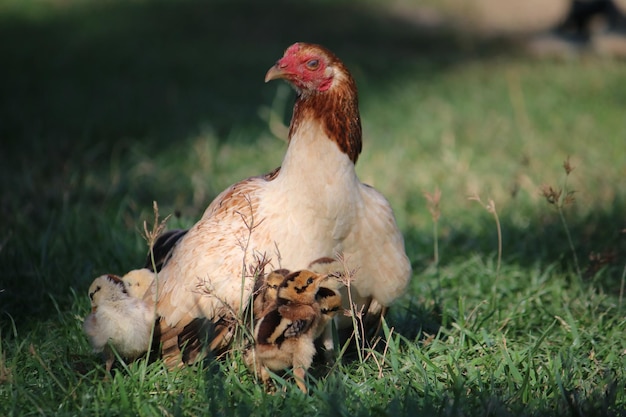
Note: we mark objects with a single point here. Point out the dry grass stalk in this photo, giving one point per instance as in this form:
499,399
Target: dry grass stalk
435,211
491,208
151,235
560,198
356,314
621,288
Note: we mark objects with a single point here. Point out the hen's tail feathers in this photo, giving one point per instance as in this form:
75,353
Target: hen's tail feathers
167,337
163,248
189,344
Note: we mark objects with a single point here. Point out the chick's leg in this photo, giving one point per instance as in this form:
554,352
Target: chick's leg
265,376
299,373
327,343
109,358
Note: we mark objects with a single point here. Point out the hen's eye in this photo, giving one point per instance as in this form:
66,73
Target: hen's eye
313,64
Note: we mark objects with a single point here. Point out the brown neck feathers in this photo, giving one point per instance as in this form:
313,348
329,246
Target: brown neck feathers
338,111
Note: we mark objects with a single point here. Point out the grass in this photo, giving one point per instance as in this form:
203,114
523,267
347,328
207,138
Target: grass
106,108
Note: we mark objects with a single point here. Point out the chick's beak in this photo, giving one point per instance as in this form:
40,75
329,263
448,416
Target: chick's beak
275,72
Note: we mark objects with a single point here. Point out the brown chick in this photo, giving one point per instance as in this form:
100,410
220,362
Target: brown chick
117,320
285,333
329,298
266,291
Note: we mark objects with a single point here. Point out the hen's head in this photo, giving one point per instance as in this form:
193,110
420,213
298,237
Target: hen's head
308,68
327,94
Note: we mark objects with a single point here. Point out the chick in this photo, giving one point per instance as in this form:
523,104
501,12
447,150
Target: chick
329,299
117,320
285,333
266,291
328,296
137,282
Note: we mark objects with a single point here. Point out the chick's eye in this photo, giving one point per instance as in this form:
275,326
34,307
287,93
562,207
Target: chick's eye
91,294
313,64
309,281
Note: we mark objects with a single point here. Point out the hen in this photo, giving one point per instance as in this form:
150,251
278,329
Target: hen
312,206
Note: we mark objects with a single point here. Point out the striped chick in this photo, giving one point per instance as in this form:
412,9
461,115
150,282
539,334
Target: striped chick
329,299
266,291
284,335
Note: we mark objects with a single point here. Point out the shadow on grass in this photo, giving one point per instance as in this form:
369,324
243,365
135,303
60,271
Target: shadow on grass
598,239
417,397
468,262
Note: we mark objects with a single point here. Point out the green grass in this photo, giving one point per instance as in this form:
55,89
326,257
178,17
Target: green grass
106,107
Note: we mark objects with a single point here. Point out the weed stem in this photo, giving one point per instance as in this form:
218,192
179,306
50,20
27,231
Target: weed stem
621,288
436,244
570,241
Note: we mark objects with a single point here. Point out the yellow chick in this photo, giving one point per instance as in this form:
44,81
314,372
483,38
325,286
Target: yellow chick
138,281
285,333
117,320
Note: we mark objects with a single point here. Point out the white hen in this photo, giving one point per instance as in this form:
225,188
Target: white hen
313,206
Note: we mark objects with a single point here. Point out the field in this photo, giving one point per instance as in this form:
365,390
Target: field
506,172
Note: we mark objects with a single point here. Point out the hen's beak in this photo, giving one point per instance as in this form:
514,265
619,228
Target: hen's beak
274,73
